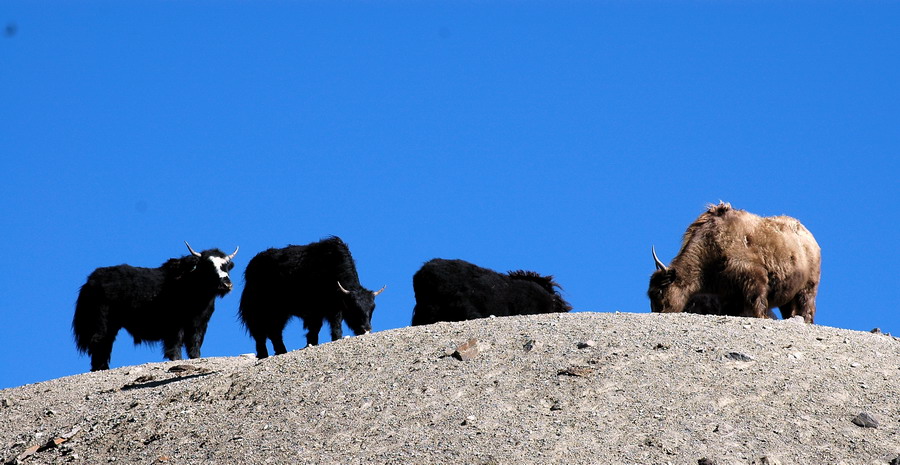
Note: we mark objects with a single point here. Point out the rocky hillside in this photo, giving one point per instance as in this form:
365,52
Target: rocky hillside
582,388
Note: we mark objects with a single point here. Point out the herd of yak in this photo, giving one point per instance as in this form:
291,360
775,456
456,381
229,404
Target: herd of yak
731,262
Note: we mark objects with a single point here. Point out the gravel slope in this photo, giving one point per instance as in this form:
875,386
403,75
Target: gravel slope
581,388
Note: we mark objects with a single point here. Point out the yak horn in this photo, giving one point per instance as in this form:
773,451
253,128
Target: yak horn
379,291
193,252
232,255
659,264
342,288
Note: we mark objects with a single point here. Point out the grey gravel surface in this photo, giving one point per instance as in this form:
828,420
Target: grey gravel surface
581,388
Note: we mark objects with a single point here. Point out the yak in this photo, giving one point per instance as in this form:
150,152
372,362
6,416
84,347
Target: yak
172,304
456,290
315,282
712,304
751,264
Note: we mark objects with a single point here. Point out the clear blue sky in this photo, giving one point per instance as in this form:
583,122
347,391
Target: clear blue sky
560,137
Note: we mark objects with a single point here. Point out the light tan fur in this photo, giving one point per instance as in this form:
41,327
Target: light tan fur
752,263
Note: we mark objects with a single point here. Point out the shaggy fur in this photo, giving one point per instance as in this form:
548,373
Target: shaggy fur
304,281
751,263
172,304
455,290
712,304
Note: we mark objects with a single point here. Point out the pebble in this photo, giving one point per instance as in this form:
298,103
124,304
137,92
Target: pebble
467,351
579,371
739,357
865,420
586,344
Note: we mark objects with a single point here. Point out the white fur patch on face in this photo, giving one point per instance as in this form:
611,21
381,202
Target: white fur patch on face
219,263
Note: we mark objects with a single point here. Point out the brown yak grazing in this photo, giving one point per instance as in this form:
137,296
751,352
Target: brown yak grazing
747,263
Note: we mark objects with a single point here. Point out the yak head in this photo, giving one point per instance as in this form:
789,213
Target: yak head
212,267
359,304
666,296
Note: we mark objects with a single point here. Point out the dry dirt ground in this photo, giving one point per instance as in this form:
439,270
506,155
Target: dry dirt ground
581,388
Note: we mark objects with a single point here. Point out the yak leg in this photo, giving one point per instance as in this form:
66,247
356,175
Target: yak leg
101,343
260,337
334,322
757,306
196,331
172,345
803,304
194,339
314,325
755,302
277,343
261,350
101,350
273,329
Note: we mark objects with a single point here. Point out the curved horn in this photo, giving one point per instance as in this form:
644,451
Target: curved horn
342,288
659,264
193,252
379,291
228,258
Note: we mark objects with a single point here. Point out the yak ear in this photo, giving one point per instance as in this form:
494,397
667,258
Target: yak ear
668,276
180,267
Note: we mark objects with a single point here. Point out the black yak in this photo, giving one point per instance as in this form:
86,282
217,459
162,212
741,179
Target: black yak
750,263
172,304
315,282
712,304
456,290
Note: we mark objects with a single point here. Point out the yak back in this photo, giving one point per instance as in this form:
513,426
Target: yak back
723,232
456,290
283,277
304,266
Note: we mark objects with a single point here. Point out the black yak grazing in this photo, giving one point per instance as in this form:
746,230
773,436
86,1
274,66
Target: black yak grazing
315,282
172,304
750,263
712,304
456,290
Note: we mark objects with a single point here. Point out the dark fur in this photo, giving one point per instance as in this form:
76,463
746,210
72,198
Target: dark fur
455,290
302,281
172,304
749,263
712,304
705,304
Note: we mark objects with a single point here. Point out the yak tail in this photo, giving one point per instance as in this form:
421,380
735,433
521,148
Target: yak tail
544,281
547,283
85,324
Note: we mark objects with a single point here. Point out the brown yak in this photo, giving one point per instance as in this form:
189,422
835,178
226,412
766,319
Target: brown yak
733,262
